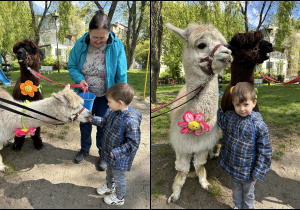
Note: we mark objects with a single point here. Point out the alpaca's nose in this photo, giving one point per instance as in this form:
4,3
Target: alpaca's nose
225,50
21,52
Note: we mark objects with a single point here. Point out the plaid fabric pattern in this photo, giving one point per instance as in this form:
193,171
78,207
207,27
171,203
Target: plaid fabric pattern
124,153
236,154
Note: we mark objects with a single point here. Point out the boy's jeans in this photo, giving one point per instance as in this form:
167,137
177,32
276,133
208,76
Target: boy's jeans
243,193
99,109
119,178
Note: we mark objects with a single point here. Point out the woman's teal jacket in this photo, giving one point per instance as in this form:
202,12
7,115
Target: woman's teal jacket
115,60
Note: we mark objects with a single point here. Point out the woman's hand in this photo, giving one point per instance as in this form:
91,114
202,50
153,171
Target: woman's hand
83,82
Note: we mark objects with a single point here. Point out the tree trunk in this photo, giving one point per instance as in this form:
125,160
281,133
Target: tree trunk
112,9
133,32
36,26
156,45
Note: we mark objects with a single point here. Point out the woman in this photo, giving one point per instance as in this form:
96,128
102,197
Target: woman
97,61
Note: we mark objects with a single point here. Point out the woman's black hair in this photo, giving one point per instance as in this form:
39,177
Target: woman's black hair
100,21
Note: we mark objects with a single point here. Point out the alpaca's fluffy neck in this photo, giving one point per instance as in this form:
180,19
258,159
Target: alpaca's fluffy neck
26,75
242,72
194,77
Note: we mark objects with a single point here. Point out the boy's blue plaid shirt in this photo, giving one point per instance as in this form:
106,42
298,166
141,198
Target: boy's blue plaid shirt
236,152
124,153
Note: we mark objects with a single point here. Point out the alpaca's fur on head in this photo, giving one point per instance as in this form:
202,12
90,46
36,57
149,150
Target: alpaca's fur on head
197,32
200,42
246,56
62,105
242,45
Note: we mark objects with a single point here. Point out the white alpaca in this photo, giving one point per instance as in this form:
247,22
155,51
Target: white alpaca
200,41
63,105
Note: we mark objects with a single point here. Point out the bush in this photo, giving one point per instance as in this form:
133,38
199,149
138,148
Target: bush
257,75
15,65
164,76
280,78
62,65
227,78
299,73
49,61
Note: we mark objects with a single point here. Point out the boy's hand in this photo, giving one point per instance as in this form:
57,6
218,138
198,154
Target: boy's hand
90,119
111,155
254,179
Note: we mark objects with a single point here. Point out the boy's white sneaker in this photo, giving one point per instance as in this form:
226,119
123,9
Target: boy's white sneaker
104,190
112,199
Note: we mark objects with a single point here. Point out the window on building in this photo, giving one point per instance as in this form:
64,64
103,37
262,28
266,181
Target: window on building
44,51
269,65
59,51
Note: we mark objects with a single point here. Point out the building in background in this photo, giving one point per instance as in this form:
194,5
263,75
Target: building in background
48,43
120,30
282,61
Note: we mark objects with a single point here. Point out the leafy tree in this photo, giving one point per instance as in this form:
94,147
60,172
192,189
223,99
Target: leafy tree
12,29
136,11
283,21
37,20
64,10
141,53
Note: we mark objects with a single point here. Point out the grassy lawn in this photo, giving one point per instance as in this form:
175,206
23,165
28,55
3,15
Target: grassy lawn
135,77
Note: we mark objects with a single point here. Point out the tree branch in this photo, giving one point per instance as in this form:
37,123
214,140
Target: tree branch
98,5
112,9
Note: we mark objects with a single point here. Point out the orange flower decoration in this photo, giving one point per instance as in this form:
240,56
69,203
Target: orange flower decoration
27,88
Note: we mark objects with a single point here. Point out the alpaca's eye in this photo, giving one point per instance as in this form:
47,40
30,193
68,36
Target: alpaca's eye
201,46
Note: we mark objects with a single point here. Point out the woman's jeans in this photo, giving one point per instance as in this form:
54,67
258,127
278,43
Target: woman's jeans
99,109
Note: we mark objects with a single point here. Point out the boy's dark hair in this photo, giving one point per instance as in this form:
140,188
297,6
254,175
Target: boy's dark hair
242,91
121,91
100,21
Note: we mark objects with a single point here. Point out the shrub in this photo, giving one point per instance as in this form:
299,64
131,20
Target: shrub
257,75
164,76
49,61
280,78
227,78
15,65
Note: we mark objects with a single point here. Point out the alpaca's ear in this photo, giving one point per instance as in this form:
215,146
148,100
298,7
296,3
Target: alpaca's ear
60,97
67,87
180,32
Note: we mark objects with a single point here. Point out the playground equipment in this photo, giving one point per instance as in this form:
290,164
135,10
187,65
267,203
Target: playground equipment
3,78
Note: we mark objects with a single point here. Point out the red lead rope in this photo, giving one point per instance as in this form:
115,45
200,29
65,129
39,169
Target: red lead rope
38,75
269,79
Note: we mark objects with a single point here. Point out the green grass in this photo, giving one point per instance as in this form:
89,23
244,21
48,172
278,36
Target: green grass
135,77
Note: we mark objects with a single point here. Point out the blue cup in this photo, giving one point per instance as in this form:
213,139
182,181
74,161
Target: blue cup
88,98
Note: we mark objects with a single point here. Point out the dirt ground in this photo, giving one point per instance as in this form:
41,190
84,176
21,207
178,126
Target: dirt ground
280,189
49,178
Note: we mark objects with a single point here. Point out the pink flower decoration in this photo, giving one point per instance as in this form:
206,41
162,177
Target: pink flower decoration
23,132
193,124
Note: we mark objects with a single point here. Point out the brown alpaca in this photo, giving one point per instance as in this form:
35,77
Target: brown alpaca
28,55
248,50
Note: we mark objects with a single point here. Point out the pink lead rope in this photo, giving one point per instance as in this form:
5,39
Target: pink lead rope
38,75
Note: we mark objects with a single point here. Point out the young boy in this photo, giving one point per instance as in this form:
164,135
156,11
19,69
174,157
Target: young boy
120,142
246,150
